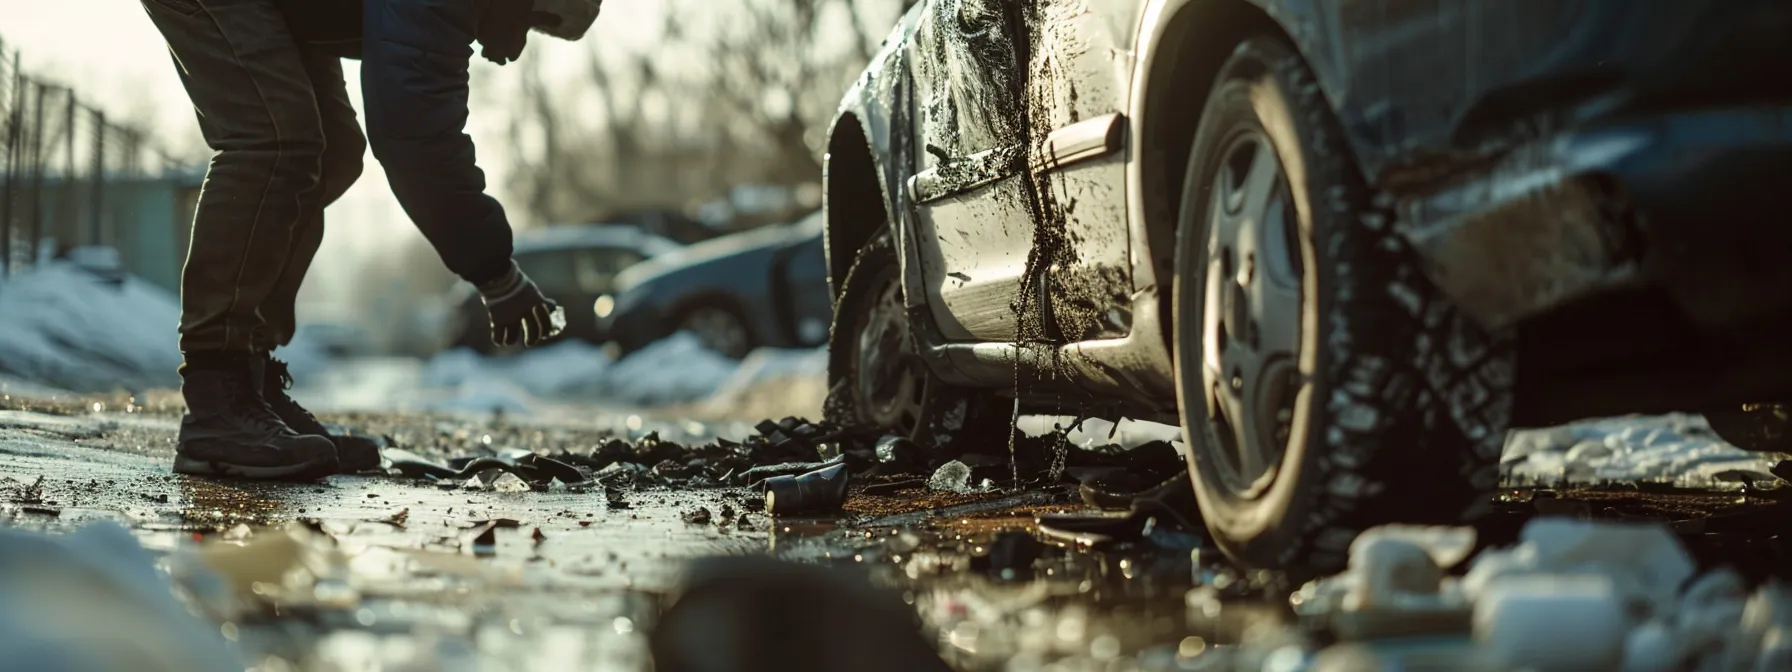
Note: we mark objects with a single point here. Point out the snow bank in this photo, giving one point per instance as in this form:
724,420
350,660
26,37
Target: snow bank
64,327
1676,448
675,370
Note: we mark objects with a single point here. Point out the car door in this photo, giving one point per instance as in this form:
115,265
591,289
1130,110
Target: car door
974,229
1079,77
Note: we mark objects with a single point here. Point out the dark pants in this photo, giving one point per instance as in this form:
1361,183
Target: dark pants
278,115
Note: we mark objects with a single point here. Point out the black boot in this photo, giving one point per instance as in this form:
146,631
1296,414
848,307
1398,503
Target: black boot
229,430
355,453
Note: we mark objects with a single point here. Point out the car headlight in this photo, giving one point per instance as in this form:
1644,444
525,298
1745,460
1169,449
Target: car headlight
605,305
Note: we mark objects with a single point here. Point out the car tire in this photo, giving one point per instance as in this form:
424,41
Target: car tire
1760,428
1370,399
719,325
870,332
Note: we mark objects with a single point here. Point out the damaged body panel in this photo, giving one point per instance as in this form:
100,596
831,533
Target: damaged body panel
1539,156
1633,120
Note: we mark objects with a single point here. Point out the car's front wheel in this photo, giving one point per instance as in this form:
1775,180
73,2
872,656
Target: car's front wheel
876,377
1325,385
719,327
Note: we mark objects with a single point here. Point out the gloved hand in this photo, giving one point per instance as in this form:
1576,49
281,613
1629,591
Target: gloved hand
504,28
519,312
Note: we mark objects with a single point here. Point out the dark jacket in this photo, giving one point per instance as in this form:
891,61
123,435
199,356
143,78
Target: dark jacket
414,57
326,22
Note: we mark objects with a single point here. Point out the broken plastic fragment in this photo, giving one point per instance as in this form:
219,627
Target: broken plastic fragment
814,492
896,450
952,476
509,482
277,567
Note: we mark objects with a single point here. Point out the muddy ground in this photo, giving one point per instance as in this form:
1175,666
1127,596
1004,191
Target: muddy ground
579,576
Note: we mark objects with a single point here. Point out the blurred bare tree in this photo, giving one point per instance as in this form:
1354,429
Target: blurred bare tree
726,94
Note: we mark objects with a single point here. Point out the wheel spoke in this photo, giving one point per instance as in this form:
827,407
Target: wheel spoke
1252,313
1254,449
1277,311
1213,327
1260,180
1233,425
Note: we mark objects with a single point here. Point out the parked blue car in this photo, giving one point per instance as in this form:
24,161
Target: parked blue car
575,264
761,288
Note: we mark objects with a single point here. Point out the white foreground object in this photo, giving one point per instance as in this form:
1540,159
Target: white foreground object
1546,623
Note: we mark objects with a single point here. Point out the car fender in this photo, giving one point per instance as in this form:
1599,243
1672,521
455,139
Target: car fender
875,108
1305,22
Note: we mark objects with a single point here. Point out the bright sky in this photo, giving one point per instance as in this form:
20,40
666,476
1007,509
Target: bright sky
111,53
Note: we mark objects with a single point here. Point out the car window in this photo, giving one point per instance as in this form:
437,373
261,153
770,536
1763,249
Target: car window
597,268
555,272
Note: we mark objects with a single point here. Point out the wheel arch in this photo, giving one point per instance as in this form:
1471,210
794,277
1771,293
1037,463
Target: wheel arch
1182,46
853,197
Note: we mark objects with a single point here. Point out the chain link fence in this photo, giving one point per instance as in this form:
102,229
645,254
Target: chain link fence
74,179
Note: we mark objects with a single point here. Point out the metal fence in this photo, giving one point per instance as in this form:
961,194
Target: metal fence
68,171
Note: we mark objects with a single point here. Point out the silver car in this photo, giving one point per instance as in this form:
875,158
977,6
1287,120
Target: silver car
1344,244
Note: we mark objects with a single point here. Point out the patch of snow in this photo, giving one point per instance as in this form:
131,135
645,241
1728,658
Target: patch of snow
476,397
66,327
568,369
673,370
1677,448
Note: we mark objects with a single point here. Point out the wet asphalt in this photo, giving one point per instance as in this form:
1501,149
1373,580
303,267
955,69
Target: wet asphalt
578,578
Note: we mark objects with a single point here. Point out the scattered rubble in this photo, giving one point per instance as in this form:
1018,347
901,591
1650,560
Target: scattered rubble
775,461
819,491
701,516
955,477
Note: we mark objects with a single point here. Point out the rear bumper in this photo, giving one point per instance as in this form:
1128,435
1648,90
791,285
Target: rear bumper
1694,202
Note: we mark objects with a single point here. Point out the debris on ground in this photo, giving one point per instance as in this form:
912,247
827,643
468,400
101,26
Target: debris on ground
779,453
93,601
955,477
819,491
898,452
523,467
398,519
246,573
701,516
